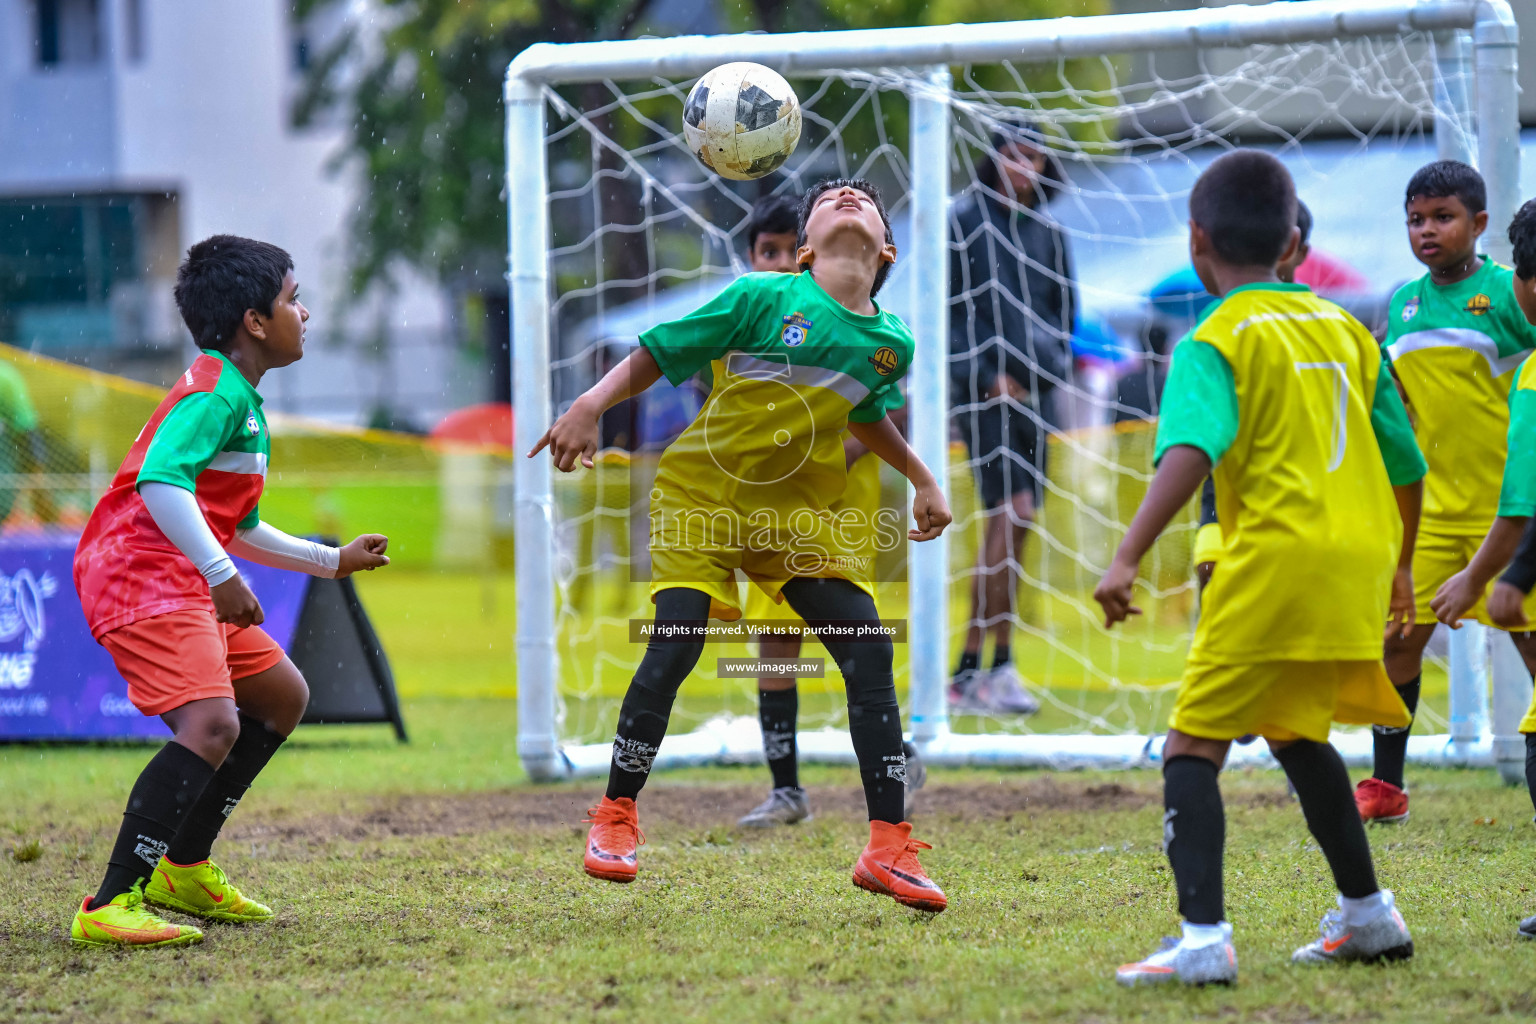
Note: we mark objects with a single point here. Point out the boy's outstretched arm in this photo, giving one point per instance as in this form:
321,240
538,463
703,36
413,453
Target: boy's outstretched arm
1458,594
575,434
1517,499
1179,475
1401,609
1506,605
175,511
929,508
266,545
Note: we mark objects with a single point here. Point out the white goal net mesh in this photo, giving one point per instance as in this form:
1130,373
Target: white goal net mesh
642,233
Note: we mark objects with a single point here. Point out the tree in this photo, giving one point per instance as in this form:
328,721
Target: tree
423,95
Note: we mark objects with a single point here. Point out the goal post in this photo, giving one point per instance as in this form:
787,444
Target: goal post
1464,48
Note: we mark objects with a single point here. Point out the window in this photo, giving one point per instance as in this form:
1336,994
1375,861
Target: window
67,31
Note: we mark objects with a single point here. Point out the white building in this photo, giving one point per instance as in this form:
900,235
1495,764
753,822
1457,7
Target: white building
129,129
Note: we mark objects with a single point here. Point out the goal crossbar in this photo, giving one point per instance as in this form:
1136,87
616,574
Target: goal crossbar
808,53
927,52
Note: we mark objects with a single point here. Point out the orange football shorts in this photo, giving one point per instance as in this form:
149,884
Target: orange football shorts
181,656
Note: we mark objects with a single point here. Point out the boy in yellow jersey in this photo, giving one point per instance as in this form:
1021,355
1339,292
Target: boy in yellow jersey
796,359
1511,535
1286,395
772,232
1455,339
1207,550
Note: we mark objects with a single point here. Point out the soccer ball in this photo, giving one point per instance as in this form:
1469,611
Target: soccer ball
742,120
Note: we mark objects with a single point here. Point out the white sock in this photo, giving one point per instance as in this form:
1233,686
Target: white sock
1198,936
1365,909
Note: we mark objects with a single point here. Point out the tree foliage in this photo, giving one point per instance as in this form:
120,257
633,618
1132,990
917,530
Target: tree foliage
421,91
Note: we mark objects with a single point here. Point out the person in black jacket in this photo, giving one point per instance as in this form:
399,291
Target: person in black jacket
1012,308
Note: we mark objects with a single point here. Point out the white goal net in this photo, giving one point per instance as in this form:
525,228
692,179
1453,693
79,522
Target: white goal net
616,227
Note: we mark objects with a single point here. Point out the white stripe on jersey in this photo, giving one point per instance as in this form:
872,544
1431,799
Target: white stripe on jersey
252,463
739,364
1457,337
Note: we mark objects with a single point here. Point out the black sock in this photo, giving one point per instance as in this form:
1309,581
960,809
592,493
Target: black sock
1392,743
1000,655
969,661
648,702
1194,836
167,787
778,712
1530,765
253,748
876,732
1328,803
874,717
642,726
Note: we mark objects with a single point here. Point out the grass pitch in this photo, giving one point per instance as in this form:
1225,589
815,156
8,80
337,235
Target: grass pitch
432,880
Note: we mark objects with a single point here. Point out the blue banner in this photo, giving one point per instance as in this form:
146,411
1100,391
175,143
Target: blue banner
56,682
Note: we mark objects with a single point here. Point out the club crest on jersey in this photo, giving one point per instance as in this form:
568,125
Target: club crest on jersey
252,427
1410,309
796,328
1479,304
884,360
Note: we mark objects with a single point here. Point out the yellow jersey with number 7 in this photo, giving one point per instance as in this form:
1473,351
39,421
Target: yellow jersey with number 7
1310,521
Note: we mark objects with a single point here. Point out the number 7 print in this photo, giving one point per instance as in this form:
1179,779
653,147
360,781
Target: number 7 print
1340,425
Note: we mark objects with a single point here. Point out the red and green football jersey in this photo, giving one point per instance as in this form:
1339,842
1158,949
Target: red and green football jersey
209,436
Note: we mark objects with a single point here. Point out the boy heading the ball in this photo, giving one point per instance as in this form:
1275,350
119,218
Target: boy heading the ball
1286,395
796,358
1456,340
163,597
773,232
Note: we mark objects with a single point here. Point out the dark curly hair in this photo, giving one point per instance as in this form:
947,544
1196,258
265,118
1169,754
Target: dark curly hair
220,279
819,189
1449,178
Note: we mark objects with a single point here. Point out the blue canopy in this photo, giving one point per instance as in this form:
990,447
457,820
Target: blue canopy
1180,294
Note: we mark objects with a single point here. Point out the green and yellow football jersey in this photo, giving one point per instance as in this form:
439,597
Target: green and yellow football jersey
750,483
1456,348
1287,394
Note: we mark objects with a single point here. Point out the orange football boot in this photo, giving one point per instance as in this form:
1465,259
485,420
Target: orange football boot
612,842
889,866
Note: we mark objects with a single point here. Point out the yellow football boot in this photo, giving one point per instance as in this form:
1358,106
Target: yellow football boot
126,921
202,890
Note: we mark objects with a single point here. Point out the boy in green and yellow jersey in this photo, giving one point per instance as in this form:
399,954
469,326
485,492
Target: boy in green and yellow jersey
772,235
796,359
1507,606
1317,488
1456,339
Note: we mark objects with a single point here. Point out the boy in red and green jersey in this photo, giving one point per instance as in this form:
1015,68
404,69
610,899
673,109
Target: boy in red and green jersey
209,436
161,594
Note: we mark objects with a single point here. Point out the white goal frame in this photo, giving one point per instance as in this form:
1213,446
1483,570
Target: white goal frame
1482,129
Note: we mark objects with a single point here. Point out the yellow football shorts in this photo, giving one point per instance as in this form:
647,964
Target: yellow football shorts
1284,700
1436,558
701,549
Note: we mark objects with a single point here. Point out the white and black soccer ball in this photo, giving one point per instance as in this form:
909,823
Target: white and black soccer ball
742,120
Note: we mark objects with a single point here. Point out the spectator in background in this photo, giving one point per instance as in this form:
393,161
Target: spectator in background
1012,308
21,446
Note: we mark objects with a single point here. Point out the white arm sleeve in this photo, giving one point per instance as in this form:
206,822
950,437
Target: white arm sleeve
174,509
269,546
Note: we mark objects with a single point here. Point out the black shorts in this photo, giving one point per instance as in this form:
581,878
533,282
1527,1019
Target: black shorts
1006,441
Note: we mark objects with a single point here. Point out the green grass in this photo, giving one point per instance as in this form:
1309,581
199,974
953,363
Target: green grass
430,880
451,635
